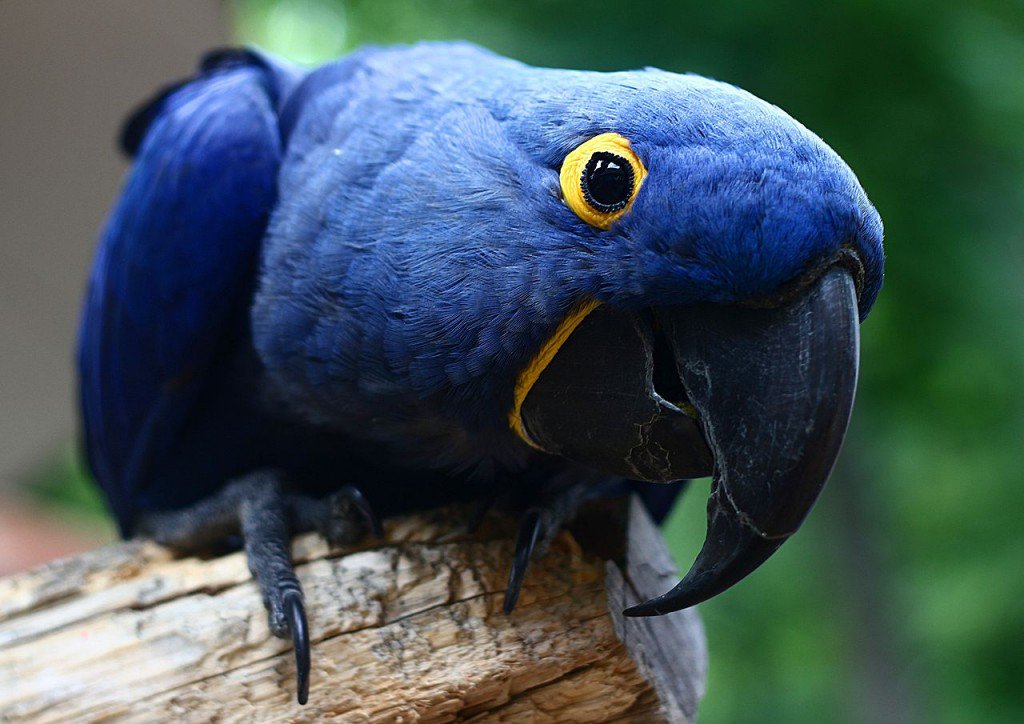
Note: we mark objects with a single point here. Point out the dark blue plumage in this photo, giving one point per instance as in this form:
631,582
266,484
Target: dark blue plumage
376,280
169,291
418,253
421,251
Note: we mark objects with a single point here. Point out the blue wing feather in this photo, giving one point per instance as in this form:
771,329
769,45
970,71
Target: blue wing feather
175,263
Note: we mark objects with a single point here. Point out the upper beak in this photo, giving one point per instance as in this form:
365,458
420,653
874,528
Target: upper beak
772,389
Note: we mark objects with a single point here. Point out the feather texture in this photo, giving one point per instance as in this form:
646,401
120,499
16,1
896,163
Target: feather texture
418,254
175,268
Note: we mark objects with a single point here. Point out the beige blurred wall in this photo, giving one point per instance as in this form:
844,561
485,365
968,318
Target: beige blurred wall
69,71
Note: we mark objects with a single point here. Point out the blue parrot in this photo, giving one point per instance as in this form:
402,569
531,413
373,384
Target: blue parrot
430,273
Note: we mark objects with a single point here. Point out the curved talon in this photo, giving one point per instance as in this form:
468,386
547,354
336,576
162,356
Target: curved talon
356,497
296,613
529,532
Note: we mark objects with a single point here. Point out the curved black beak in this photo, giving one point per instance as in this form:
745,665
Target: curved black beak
773,389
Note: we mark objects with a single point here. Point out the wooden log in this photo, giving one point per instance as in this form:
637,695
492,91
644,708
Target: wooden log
406,629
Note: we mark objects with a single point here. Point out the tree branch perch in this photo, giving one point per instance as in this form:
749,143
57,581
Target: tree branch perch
407,629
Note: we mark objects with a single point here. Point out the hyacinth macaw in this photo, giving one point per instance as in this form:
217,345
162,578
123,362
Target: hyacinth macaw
421,274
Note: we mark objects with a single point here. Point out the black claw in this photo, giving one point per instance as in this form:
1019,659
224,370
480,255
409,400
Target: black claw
296,614
356,497
529,532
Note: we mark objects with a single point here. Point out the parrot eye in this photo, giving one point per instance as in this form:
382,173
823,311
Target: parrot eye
600,179
607,182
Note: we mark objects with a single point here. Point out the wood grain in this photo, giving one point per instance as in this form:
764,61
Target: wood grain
405,629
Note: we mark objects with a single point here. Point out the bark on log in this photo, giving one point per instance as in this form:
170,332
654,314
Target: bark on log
406,629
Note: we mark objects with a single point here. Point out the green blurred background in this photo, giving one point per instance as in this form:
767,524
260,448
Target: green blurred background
903,597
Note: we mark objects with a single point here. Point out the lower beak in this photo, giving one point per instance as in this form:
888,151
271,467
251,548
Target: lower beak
761,397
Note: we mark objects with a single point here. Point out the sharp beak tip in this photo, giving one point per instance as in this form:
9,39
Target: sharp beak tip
714,572
660,606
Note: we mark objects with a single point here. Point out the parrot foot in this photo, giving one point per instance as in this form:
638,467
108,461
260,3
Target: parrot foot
341,518
256,508
541,523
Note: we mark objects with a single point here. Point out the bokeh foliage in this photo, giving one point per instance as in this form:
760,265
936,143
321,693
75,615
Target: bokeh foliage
903,598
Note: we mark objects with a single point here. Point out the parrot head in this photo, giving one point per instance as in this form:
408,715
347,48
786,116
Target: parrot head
654,275
725,342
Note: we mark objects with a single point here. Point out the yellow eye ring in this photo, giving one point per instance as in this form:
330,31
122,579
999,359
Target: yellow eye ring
600,179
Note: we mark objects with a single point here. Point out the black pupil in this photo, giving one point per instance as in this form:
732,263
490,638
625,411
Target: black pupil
607,182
